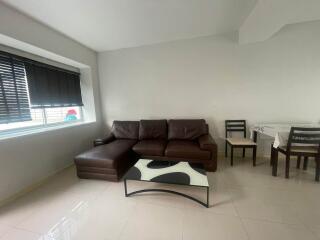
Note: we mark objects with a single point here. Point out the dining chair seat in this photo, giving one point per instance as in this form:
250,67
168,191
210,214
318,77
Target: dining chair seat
301,149
241,141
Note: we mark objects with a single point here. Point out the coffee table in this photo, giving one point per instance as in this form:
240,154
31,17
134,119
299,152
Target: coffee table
169,172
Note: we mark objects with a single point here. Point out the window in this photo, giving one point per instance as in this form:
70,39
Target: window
47,117
64,114
35,95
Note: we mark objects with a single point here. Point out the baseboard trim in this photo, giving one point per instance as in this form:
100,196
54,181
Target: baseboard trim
32,187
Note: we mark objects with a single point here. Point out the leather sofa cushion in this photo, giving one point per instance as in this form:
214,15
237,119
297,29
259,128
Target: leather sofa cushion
186,149
187,129
154,147
153,129
105,156
125,129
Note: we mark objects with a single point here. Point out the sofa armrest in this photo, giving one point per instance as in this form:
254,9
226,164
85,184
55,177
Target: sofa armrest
105,140
206,142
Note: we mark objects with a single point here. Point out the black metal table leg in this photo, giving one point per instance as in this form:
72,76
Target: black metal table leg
167,191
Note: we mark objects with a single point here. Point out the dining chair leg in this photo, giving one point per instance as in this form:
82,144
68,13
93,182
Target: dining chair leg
287,165
305,163
317,168
243,152
275,156
298,162
226,150
254,155
231,155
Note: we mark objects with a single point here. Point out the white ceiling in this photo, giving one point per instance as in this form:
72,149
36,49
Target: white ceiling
112,24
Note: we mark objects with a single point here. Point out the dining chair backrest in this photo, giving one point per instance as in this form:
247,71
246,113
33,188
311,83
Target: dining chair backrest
304,136
236,126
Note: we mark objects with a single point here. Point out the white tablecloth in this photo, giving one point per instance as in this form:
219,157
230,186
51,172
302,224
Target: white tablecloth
279,132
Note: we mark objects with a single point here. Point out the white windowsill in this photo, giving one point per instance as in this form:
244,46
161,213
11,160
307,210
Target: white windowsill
40,129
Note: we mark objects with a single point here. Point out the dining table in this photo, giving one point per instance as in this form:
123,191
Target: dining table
279,132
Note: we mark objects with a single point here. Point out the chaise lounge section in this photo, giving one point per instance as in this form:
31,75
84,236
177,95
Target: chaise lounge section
174,140
112,156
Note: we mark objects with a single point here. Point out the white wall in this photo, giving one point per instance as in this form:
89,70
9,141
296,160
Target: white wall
259,26
29,159
216,78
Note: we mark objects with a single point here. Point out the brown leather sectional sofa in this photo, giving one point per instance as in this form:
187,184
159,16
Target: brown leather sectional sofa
173,140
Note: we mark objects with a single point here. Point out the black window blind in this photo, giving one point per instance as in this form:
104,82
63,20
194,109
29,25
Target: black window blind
52,87
45,86
14,102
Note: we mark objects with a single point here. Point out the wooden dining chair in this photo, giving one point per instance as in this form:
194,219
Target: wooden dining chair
239,142
302,142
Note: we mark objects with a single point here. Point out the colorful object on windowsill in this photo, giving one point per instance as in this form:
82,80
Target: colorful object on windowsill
71,115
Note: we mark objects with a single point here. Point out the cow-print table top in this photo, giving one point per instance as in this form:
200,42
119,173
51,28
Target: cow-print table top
183,173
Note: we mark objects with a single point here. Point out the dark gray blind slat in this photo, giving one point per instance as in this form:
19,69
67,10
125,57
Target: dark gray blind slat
14,102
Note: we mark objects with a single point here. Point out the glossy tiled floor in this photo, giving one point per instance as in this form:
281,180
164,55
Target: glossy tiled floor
246,203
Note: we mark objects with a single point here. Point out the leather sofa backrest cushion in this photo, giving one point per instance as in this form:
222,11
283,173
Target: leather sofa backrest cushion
186,129
125,129
153,129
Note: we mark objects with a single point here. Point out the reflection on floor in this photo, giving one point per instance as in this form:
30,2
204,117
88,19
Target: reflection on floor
246,203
